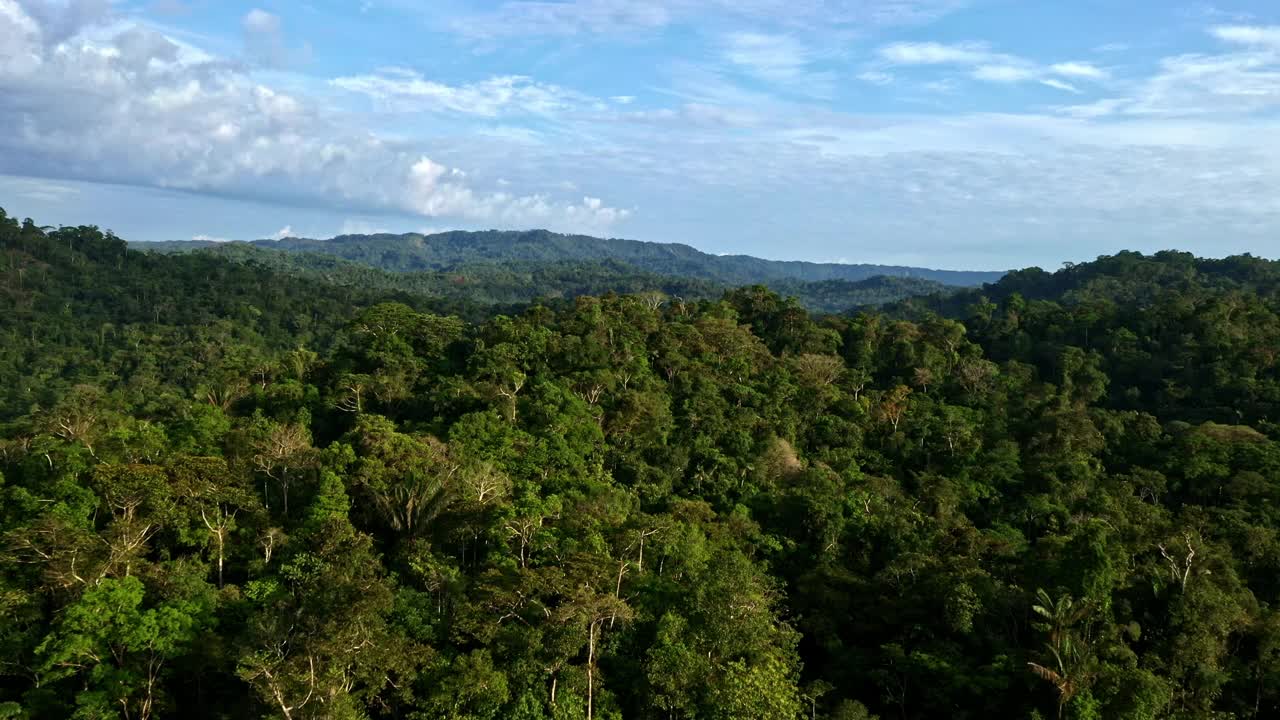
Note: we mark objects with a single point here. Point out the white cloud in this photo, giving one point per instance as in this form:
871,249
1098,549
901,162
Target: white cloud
209,238
407,91
932,53
22,49
1060,85
1241,81
1083,70
1004,73
935,181
1038,161
431,191
1266,36
129,109
58,20
988,66
264,41
1232,83
778,59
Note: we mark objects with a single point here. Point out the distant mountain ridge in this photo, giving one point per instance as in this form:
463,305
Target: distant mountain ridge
517,282
414,252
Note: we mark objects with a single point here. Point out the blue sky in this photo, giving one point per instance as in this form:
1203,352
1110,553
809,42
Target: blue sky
944,133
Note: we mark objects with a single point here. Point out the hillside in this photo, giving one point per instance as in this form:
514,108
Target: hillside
77,304
444,251
228,491
1176,334
524,280
1132,278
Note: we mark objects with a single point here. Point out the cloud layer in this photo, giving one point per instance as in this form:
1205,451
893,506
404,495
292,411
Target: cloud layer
128,106
798,128
561,18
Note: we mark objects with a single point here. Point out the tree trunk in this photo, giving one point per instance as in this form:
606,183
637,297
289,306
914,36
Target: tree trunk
219,559
591,659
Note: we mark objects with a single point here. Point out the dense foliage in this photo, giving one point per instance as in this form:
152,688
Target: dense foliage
228,493
524,281
449,250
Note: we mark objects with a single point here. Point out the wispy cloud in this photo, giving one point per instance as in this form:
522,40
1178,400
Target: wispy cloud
932,53
876,77
264,41
778,59
36,189
1243,79
1060,85
560,18
1096,109
987,65
406,90
576,17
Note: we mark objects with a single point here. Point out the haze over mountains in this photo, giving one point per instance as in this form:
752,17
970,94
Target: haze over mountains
511,267
416,252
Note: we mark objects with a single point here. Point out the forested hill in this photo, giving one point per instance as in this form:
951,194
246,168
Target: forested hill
443,251
1131,278
1177,335
227,492
524,281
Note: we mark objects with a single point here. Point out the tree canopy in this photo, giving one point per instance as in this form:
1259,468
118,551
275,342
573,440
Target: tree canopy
230,491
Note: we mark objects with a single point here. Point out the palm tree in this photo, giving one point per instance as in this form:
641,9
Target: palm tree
1071,668
1062,614
1071,674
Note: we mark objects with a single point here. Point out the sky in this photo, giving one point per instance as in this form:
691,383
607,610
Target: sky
965,134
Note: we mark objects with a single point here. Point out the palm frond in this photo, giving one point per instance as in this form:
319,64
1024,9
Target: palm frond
1047,674
1078,614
